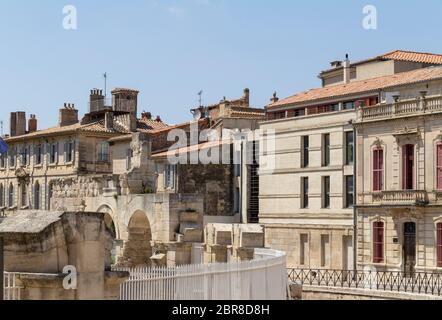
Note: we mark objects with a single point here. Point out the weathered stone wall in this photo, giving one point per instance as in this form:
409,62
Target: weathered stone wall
214,182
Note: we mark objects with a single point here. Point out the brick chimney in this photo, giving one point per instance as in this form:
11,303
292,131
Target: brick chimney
96,100
347,69
32,124
17,123
68,115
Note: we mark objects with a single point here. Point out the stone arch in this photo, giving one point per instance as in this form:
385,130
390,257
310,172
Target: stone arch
109,220
138,248
116,250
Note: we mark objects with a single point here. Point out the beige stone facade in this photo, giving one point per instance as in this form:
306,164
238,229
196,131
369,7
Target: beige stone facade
409,211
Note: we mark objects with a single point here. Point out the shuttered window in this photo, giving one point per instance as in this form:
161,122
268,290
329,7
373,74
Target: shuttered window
378,170
378,242
439,245
439,166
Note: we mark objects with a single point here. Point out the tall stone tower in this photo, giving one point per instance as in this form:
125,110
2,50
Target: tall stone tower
125,100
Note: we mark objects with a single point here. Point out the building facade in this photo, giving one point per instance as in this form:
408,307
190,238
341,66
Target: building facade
312,213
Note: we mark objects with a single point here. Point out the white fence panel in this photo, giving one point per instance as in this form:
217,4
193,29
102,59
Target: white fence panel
264,278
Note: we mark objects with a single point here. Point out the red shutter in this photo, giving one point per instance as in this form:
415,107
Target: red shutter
439,167
378,242
439,245
375,173
381,169
404,167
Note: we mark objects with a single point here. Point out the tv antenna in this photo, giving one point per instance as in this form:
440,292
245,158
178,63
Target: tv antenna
105,84
200,94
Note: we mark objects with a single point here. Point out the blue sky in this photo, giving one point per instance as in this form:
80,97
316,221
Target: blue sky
171,49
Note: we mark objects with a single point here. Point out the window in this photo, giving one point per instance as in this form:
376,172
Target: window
24,195
349,192
236,202
305,151
325,250
38,154
326,150
2,196
378,242
378,170
348,105
439,166
169,177
37,196
49,196
326,192
11,196
2,160
349,148
69,151
129,155
408,167
103,155
12,154
305,196
303,252
439,245
24,156
53,153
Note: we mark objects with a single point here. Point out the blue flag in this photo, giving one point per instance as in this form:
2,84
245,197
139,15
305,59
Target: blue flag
3,146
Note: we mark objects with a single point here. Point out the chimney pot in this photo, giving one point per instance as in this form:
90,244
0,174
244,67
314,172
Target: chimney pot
158,119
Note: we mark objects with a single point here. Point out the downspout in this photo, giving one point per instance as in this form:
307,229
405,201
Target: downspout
355,211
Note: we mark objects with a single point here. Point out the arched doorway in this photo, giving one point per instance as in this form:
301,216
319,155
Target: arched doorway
138,249
117,245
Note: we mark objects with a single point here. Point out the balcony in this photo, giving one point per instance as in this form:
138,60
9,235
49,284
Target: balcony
410,107
401,197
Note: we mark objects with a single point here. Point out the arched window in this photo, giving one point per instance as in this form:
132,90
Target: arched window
2,195
11,196
378,242
37,196
24,195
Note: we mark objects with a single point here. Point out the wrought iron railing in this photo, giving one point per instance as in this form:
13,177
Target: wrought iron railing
417,283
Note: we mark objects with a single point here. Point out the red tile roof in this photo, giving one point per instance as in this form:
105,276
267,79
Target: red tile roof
361,87
412,56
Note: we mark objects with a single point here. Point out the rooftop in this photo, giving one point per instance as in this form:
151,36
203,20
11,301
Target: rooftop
361,87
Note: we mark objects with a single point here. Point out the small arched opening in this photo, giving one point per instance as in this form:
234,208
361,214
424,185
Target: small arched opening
138,248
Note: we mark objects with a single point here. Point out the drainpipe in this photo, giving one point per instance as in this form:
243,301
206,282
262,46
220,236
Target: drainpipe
355,211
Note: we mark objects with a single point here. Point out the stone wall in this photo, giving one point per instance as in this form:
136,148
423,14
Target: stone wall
214,182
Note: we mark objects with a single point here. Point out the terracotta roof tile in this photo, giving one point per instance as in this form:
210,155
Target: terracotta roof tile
422,57
362,86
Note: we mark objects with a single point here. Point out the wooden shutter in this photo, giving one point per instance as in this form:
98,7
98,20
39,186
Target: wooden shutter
439,167
439,245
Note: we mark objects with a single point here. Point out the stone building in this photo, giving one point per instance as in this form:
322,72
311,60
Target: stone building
75,151
113,163
399,177
311,212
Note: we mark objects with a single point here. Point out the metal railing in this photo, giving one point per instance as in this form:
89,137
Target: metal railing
417,283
